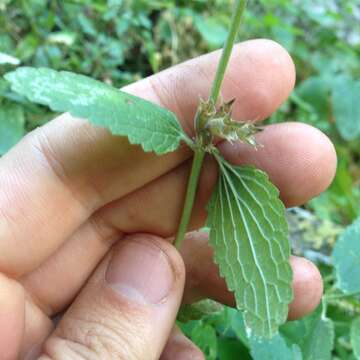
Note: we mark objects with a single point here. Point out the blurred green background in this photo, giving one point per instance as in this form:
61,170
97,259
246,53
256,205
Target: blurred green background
120,41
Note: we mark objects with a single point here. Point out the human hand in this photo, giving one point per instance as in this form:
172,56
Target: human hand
69,191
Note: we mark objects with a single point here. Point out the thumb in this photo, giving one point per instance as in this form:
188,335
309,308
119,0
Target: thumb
127,309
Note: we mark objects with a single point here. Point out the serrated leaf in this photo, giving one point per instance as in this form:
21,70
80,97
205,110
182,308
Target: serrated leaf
249,234
346,257
144,123
11,126
355,337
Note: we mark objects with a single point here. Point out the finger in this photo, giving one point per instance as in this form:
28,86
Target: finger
38,327
308,287
128,307
179,347
56,282
204,281
260,76
302,164
12,318
22,325
299,159
58,175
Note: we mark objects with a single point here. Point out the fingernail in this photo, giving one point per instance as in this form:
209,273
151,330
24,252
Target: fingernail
140,271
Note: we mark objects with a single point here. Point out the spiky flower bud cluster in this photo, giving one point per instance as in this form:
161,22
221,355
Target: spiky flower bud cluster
218,122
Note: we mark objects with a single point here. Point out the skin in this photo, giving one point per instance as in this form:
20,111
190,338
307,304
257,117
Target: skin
72,192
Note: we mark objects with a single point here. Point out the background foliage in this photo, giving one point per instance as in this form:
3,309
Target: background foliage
120,41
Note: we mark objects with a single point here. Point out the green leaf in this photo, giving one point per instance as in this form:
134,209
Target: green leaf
314,334
213,31
203,335
346,256
346,95
153,127
320,343
11,126
315,91
238,325
4,86
355,337
27,47
249,234
199,310
274,349
311,338
87,25
232,349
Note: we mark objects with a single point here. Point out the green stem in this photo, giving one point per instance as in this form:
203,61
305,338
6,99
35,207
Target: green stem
331,297
190,195
225,56
200,153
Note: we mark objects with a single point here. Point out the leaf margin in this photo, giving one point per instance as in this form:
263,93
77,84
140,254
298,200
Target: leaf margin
289,296
17,81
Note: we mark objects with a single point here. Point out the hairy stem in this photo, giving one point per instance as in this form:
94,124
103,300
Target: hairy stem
199,152
225,56
190,195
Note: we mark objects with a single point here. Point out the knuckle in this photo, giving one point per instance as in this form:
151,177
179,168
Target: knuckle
41,143
55,162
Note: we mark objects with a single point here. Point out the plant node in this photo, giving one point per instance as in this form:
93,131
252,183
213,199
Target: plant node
212,122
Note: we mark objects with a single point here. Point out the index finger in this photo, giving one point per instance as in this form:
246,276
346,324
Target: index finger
60,174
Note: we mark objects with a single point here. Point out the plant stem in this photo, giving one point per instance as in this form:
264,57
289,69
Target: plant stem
190,195
225,56
199,152
340,296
